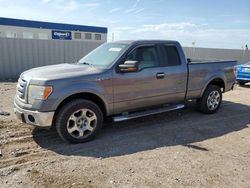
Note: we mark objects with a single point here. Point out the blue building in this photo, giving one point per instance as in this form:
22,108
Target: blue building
26,29
26,44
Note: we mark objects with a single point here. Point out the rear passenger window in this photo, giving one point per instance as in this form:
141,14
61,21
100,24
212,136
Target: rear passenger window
146,57
172,56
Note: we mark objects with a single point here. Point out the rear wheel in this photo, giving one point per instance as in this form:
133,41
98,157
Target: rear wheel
211,100
79,121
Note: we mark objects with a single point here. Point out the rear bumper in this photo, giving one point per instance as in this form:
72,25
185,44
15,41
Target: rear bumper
41,119
233,86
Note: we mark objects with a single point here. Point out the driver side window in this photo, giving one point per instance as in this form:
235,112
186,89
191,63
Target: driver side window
146,57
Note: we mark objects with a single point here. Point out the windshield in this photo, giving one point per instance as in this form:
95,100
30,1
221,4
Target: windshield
104,55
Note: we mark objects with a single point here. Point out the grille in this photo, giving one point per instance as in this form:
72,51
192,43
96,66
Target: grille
21,88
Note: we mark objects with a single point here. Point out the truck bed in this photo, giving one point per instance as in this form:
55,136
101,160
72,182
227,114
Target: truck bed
200,73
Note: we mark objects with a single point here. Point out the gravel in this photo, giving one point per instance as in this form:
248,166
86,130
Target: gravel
183,148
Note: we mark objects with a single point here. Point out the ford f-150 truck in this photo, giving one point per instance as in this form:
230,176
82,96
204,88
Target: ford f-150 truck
122,80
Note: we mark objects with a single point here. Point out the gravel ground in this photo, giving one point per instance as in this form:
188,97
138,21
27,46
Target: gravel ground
177,149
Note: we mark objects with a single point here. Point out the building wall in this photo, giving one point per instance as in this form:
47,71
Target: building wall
20,31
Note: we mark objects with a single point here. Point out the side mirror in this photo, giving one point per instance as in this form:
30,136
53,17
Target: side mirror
189,60
129,66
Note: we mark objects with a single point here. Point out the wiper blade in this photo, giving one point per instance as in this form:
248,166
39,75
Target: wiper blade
85,63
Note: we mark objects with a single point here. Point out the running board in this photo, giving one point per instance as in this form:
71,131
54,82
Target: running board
134,115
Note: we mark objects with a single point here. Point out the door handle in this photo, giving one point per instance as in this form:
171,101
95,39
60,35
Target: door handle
160,75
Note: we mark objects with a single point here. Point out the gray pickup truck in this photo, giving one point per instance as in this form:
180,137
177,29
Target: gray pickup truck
124,80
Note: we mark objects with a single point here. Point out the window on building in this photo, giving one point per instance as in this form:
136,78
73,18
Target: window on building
28,35
98,37
43,36
88,36
11,34
77,35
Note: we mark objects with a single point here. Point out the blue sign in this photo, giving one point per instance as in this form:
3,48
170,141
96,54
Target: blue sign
61,35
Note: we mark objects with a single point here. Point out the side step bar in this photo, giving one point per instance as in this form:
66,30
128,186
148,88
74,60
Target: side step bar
134,115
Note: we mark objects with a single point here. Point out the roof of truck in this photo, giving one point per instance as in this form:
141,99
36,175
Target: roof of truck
145,41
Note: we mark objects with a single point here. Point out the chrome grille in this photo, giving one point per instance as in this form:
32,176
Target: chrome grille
21,88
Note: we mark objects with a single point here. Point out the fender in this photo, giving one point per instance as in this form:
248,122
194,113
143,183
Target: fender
83,87
213,77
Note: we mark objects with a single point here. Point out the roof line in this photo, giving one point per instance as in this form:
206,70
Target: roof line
50,25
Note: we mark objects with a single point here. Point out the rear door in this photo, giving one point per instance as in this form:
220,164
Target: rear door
175,74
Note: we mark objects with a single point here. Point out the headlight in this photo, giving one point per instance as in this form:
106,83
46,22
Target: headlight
38,93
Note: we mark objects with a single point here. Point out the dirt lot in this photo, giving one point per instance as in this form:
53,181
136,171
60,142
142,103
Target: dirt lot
178,149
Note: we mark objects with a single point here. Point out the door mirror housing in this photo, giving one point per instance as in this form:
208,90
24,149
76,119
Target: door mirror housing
129,66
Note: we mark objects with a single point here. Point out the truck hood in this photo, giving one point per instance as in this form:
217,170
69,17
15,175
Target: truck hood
60,71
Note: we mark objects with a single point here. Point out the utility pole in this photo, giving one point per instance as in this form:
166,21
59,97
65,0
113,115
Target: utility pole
193,49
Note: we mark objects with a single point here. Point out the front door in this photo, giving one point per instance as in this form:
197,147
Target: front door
134,90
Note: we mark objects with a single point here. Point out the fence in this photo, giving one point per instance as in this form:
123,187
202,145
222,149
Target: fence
18,55
242,56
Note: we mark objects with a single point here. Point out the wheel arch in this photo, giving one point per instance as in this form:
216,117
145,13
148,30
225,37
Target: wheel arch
218,81
83,95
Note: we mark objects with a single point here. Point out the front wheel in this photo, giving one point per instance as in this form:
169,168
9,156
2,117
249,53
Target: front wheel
79,121
211,100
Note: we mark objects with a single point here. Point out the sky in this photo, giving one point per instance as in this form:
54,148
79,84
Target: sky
199,23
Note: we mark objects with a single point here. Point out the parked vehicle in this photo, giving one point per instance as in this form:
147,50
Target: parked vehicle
243,73
125,80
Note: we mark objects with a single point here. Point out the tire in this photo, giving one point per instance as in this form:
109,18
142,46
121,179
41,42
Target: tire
241,83
211,100
79,121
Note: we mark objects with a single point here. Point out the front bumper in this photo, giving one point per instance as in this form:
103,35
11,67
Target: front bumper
244,76
41,119
243,79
